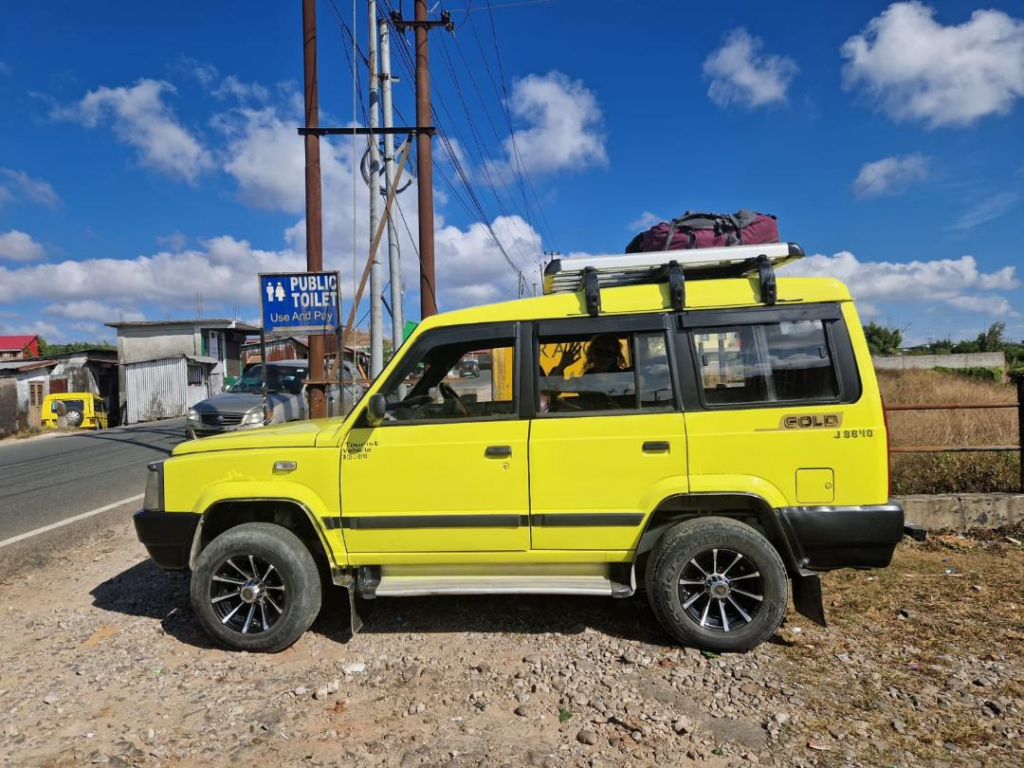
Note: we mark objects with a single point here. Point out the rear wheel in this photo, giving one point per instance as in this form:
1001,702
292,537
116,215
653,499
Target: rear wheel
256,587
717,584
74,417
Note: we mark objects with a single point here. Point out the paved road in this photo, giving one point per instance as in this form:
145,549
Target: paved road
50,479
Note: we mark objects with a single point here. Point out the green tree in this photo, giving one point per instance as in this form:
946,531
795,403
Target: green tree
881,340
45,348
992,339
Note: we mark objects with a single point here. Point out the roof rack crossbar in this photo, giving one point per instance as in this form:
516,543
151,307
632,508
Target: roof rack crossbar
590,273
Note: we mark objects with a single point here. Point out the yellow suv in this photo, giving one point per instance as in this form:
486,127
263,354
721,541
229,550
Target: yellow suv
82,409
678,423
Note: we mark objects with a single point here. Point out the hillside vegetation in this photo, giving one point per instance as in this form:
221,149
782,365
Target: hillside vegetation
950,472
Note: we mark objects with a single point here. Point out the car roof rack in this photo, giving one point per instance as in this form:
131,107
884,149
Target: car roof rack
591,273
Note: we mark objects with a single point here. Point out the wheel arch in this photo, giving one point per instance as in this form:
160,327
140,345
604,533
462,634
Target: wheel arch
748,508
225,514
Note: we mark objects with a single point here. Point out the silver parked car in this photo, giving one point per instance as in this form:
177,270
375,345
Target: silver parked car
240,406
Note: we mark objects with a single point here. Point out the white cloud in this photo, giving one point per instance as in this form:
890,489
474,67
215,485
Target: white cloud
646,220
890,175
18,184
918,69
49,331
564,127
957,283
985,210
232,86
741,74
176,241
223,270
19,246
92,310
141,118
266,158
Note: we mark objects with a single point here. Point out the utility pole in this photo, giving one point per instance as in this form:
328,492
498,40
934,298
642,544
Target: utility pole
376,283
424,162
314,223
394,257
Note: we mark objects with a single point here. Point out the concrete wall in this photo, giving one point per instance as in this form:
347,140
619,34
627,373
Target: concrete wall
154,343
926,362
8,407
964,510
81,377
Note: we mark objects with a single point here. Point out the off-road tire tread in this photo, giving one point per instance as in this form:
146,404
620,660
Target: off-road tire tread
675,547
293,561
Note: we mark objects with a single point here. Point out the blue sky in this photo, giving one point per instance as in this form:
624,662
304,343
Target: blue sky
148,152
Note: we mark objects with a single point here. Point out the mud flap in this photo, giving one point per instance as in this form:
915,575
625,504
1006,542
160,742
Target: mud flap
807,597
358,609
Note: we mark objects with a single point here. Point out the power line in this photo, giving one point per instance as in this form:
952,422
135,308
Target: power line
508,117
475,208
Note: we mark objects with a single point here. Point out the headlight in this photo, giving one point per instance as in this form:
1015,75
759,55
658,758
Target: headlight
154,498
256,417
193,414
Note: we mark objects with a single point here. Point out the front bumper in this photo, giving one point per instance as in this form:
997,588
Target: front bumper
824,538
167,536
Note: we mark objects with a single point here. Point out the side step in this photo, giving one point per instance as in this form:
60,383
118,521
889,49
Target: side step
504,579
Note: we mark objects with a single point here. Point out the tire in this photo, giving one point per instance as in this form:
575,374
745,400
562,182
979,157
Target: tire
720,588
74,417
278,606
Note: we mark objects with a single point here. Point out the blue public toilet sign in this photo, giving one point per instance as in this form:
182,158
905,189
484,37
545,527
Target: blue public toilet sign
299,302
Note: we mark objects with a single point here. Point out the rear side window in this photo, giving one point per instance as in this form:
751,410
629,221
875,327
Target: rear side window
603,372
789,361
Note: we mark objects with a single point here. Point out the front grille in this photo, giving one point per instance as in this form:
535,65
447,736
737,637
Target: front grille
222,419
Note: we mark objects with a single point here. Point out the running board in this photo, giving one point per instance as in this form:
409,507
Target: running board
543,579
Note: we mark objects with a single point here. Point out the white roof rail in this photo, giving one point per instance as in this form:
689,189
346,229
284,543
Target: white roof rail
591,273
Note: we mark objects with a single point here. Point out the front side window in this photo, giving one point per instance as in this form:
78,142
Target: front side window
603,372
772,362
465,380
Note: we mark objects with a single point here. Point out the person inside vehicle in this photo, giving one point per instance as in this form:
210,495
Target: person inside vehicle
604,355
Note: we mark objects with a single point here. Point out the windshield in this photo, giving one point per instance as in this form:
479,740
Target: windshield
280,378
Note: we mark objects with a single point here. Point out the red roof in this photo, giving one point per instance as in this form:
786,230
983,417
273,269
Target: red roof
20,342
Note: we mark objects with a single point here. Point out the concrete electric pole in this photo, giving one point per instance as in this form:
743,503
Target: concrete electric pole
394,256
376,282
314,222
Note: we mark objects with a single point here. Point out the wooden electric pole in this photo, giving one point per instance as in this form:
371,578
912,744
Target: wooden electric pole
424,162
315,386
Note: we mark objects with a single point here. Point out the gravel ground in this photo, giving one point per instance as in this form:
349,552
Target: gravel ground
102,662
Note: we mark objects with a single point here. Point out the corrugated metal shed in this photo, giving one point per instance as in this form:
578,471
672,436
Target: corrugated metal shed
168,387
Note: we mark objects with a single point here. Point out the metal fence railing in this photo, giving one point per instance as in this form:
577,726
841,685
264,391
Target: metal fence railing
1018,405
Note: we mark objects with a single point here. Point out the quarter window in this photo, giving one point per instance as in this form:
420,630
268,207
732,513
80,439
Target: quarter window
774,362
603,372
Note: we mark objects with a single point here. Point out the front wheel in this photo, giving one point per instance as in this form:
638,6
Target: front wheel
717,584
256,588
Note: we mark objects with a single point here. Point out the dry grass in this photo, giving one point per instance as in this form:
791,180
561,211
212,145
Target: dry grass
950,473
964,616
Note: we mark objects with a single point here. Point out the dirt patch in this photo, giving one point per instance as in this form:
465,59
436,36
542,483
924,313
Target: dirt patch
101,661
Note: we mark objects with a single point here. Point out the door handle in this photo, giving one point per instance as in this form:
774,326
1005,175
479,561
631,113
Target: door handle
498,451
656,446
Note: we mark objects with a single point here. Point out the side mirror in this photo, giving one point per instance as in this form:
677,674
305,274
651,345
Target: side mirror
376,408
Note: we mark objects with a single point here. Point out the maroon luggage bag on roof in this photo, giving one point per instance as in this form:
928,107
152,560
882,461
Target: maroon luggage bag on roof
707,230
